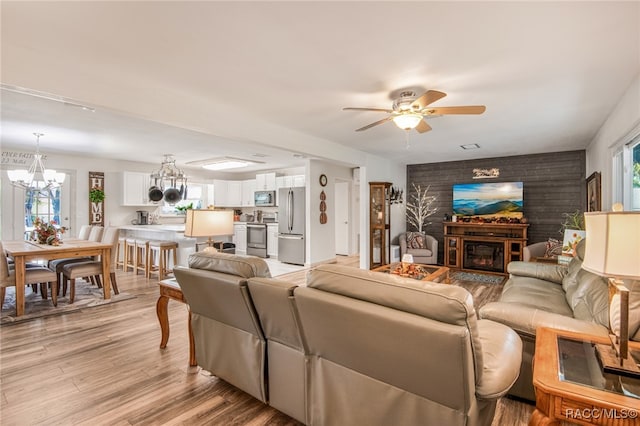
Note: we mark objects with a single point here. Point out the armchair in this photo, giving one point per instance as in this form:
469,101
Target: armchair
427,254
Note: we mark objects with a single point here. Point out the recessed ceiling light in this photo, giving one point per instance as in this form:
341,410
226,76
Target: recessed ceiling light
226,164
223,163
259,155
299,156
470,146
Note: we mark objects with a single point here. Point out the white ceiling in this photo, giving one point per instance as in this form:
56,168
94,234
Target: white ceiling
202,79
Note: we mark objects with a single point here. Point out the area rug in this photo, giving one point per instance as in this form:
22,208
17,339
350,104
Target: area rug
481,278
87,296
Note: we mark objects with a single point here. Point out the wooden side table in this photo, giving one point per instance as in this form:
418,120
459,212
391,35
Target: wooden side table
570,386
170,289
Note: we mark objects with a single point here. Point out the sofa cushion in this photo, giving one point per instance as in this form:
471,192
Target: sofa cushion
440,302
536,293
415,240
232,264
420,252
589,299
553,247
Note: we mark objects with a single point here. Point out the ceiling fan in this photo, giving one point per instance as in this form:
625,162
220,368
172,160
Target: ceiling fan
409,111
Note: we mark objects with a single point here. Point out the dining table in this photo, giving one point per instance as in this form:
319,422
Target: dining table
23,251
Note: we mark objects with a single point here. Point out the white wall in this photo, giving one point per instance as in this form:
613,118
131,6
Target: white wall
77,169
619,128
377,169
321,238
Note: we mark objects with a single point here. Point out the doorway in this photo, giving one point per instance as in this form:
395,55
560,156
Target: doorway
342,214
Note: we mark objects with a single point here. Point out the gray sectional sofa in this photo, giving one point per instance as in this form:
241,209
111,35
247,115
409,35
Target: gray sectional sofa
350,347
563,297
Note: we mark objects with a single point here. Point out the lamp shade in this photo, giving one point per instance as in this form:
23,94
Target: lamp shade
613,244
208,223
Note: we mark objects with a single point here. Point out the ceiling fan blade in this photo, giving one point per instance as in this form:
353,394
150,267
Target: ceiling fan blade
471,109
367,109
374,124
429,97
423,127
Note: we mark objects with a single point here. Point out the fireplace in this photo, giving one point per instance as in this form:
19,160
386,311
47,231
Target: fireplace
483,256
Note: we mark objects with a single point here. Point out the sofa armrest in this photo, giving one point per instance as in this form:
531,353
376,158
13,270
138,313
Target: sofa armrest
431,243
543,271
525,320
501,355
534,250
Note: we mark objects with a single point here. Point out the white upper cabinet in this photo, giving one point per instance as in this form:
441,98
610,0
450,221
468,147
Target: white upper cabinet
135,189
220,193
248,189
234,194
266,182
299,180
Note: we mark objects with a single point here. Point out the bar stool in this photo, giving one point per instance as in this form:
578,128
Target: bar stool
129,254
158,258
121,253
141,258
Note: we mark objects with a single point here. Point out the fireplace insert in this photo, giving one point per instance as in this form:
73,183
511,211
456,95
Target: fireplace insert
483,256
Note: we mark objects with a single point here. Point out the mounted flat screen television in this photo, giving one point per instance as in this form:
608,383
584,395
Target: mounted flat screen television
496,199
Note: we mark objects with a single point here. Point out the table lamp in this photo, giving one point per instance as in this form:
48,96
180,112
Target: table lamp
613,250
208,223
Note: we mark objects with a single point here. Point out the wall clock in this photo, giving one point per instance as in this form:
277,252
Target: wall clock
323,180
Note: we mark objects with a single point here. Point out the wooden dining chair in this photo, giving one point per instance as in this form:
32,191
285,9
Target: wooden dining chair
34,275
87,232
93,268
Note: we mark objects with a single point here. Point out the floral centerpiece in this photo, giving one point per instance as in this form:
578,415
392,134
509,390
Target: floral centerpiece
47,233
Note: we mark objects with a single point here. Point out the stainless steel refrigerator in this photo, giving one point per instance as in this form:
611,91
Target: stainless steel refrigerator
291,224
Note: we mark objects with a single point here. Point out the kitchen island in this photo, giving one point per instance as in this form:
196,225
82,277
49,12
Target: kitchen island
170,232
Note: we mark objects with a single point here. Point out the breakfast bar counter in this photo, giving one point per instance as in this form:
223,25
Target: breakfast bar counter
169,232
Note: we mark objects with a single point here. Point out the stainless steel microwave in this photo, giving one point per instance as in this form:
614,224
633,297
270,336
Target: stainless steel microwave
265,198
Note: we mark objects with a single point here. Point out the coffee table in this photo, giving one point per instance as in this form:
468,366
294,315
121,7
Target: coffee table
433,273
570,385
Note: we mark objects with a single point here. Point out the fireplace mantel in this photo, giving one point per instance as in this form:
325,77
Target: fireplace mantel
507,239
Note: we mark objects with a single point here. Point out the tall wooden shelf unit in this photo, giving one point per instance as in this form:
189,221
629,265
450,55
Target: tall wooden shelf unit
379,224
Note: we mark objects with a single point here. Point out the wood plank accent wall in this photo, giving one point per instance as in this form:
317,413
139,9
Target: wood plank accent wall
553,183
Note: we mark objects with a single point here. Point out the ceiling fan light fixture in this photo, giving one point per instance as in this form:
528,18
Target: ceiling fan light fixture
407,121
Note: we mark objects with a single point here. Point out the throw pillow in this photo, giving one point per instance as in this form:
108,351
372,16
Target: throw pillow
415,240
553,248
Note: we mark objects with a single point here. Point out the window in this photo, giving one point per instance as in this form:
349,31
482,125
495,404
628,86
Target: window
626,175
42,204
635,175
194,197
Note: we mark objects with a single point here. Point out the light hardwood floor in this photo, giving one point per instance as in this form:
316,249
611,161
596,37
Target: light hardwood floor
103,365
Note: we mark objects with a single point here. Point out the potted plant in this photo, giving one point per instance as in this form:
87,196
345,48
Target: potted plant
573,230
183,209
96,195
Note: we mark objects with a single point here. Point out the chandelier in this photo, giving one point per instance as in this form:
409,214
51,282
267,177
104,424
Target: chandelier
168,183
37,178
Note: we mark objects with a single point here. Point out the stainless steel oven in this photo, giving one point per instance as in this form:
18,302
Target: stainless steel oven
257,239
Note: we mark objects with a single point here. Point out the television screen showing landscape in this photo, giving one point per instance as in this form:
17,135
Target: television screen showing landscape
502,199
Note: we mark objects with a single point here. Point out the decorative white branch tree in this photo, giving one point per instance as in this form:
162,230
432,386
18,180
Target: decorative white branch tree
420,207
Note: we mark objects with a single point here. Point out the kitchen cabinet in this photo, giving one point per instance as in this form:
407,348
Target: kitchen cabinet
135,189
272,239
240,238
234,193
299,180
289,182
220,193
248,189
266,182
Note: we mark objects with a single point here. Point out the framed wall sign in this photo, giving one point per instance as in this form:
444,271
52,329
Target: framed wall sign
594,198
